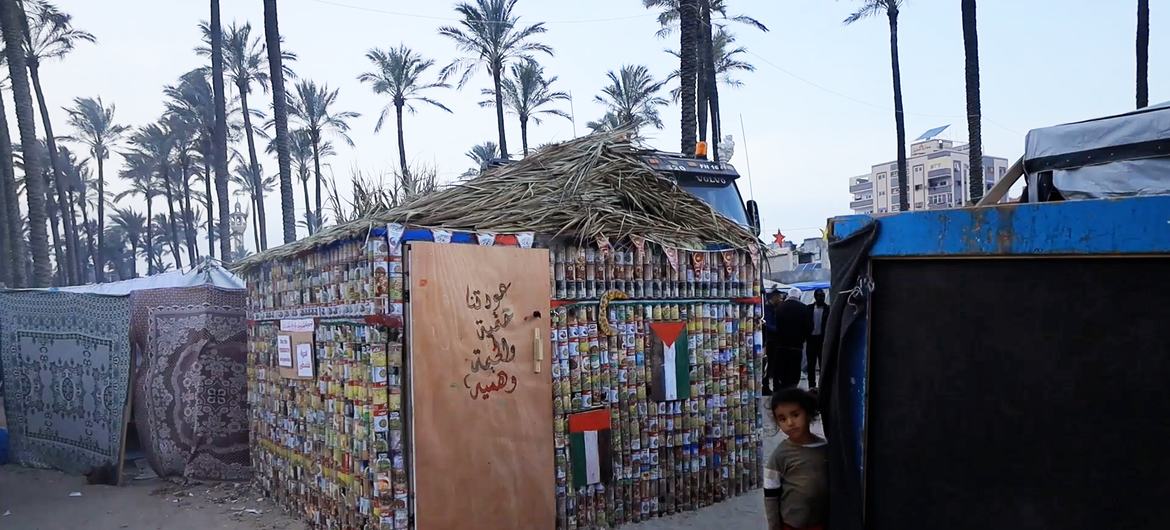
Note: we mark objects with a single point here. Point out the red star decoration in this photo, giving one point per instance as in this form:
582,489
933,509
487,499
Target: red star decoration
779,238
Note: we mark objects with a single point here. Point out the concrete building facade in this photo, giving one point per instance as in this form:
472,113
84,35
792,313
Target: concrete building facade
939,173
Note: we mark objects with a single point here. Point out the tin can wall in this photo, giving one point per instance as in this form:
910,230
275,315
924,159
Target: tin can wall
330,448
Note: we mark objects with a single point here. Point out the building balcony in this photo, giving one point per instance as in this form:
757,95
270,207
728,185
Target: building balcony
860,187
864,203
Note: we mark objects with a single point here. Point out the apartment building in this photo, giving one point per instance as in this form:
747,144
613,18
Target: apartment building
939,173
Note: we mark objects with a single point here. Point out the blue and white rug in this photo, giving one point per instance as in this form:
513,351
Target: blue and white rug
66,366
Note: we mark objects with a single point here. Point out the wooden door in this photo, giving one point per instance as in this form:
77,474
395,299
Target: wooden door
481,404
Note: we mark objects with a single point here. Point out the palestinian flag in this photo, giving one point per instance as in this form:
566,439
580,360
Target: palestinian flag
589,448
670,362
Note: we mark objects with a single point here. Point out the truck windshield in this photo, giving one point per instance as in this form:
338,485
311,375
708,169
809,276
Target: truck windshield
724,199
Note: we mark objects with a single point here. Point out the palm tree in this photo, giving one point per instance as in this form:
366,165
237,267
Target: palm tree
12,24
244,60
606,123
277,72
398,74
118,257
219,139
156,143
77,176
482,154
491,38
311,106
94,127
253,187
974,118
26,162
631,96
526,93
161,244
185,134
11,220
192,100
139,170
133,225
50,35
727,61
873,8
301,153
698,57
1143,51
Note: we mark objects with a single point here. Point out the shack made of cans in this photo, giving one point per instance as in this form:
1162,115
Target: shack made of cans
330,447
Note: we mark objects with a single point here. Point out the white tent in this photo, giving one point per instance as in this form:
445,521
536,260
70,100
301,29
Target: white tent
209,272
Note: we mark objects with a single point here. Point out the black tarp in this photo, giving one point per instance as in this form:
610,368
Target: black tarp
1019,393
849,258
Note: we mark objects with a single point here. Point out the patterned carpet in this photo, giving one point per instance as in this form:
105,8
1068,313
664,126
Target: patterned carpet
66,361
190,384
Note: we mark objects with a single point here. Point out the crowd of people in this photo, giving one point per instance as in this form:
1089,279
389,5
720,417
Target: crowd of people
796,473
793,336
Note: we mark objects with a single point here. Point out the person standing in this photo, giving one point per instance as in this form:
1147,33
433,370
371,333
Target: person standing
793,326
771,346
819,312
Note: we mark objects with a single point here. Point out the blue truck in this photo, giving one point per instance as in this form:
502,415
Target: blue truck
1007,365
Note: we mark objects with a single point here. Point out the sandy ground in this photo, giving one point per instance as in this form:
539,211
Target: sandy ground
32,499
40,500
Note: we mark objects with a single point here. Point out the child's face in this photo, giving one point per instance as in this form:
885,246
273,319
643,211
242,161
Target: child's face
793,420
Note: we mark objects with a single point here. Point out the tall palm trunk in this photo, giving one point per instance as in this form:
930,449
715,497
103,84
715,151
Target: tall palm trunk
149,243
496,71
168,188
71,199
687,17
402,144
712,87
255,227
220,137
72,241
133,259
280,118
258,197
12,27
5,241
98,264
524,134
188,213
208,156
317,169
52,208
11,200
974,119
899,116
308,205
100,273
700,52
1143,54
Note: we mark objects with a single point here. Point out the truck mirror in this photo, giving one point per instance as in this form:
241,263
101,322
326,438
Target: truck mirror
753,212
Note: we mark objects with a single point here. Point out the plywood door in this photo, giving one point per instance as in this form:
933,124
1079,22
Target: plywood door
482,433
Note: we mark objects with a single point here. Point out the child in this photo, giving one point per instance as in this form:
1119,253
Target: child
796,477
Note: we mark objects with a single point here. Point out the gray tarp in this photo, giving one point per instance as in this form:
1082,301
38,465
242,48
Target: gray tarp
1116,156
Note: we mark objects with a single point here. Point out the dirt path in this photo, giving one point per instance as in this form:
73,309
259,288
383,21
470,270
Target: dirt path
32,499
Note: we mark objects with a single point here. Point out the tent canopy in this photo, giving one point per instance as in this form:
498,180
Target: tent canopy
209,272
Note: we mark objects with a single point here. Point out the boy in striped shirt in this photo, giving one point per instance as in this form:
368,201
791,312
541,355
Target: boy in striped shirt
796,476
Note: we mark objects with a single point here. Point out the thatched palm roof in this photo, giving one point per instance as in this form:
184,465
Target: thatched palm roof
592,186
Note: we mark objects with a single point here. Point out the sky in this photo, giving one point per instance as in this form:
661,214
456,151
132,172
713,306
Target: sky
817,110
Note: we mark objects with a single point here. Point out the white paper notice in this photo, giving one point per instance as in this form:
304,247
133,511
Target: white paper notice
284,351
298,325
304,360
